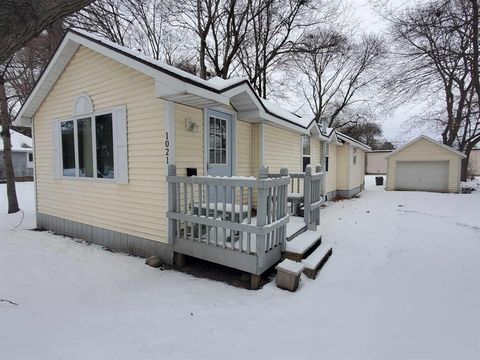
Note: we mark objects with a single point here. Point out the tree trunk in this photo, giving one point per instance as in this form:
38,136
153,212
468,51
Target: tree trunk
464,171
7,151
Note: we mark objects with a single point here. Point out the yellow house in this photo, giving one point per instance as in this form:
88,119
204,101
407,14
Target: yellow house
109,123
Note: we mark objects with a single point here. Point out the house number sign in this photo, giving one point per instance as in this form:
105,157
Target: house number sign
167,147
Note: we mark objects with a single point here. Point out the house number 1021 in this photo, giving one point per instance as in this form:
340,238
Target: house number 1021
167,147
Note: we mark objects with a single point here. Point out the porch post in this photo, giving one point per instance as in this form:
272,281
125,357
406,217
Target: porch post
172,203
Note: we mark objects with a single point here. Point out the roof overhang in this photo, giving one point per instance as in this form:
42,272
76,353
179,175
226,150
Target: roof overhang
169,84
424,137
353,142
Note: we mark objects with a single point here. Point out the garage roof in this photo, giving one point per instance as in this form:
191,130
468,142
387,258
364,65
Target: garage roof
424,137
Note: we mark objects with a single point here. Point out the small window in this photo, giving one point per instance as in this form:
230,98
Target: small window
354,156
306,151
68,148
104,145
30,157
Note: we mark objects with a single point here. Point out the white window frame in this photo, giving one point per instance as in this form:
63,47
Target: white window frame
354,157
327,157
228,126
92,116
310,151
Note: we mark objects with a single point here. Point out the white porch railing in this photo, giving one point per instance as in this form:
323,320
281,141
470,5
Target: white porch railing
214,218
305,190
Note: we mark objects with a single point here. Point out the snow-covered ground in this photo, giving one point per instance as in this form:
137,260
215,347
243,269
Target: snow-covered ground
403,283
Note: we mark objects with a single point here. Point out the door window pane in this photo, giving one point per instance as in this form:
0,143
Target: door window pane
104,146
218,140
85,156
68,148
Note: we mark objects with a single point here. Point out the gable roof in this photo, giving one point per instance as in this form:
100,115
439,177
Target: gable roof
20,142
170,84
424,137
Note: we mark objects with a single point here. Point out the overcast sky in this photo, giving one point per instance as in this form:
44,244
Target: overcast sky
371,22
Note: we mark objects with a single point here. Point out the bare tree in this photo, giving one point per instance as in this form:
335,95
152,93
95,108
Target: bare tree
17,78
22,20
107,18
337,73
276,30
436,45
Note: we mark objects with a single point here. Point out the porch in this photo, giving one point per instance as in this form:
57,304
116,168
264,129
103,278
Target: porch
242,222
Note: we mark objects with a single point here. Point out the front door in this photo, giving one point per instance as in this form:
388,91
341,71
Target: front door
219,137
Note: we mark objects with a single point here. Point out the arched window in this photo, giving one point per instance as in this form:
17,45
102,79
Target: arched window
83,105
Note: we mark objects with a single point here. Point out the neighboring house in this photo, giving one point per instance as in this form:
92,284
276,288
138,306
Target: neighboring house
110,124
375,162
425,165
22,156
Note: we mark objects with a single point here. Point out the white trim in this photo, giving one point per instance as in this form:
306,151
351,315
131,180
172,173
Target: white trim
169,114
261,139
424,137
92,116
83,105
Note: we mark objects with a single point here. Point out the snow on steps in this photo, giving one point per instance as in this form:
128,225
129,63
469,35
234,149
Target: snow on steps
315,261
300,245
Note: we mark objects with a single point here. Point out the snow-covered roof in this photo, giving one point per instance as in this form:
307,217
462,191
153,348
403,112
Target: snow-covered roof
170,83
425,137
20,142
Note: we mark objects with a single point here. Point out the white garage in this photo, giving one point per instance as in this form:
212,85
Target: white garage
424,165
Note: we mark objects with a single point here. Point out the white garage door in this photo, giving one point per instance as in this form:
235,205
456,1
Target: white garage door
422,175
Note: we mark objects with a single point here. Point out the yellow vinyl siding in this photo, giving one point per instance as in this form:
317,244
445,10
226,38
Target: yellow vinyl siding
356,170
189,147
343,163
424,150
244,149
315,146
137,208
332,169
255,149
281,148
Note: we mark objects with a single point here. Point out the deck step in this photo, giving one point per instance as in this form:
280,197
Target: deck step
302,244
315,261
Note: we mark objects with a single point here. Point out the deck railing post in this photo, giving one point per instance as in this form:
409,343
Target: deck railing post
318,169
261,222
263,172
308,198
284,209
172,203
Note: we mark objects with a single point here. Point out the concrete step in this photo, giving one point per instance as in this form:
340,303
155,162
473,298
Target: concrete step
315,261
302,245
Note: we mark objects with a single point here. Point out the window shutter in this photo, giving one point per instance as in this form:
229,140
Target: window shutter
121,153
57,144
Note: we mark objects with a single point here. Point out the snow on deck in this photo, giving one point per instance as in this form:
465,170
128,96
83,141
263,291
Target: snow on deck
295,224
302,242
403,284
